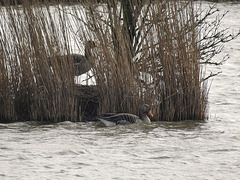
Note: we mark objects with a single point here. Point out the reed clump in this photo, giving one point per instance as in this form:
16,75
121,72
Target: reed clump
148,52
35,84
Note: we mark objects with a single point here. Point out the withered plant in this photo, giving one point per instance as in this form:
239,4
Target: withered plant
148,52
35,85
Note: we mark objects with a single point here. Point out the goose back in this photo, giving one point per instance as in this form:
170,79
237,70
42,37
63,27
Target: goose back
126,118
119,119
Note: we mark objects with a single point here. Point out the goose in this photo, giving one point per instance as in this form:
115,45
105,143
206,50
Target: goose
82,63
113,119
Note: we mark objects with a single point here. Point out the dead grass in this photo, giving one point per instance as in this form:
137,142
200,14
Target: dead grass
162,46
34,86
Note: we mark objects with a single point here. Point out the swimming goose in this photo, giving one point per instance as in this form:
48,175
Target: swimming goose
126,118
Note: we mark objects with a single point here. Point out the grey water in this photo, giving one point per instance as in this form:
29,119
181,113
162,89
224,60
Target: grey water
163,150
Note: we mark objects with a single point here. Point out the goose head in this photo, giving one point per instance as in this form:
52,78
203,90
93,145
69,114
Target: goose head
90,44
145,112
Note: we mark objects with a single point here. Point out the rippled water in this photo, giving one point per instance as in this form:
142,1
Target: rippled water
186,150
162,150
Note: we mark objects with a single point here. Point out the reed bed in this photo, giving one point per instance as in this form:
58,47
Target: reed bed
35,85
148,52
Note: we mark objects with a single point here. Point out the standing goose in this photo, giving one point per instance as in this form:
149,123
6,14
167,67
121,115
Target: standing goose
82,64
126,118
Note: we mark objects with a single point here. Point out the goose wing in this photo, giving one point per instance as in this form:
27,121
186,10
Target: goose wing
81,64
118,119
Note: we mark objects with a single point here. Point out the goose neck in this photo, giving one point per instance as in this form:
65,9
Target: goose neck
87,52
145,119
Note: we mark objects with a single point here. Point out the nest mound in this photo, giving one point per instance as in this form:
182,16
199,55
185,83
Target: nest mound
87,99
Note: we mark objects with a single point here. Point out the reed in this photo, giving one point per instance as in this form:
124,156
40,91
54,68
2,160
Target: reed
35,85
148,52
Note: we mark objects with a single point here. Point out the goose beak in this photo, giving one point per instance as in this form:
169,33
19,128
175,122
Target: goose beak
150,113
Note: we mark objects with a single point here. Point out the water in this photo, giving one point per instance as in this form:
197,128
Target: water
162,150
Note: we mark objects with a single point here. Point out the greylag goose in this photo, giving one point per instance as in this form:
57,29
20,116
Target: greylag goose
126,118
82,63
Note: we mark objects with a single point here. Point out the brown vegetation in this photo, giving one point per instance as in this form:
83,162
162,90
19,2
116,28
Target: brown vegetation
147,53
159,40
32,88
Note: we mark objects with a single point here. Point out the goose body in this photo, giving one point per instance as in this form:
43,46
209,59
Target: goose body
82,63
127,118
